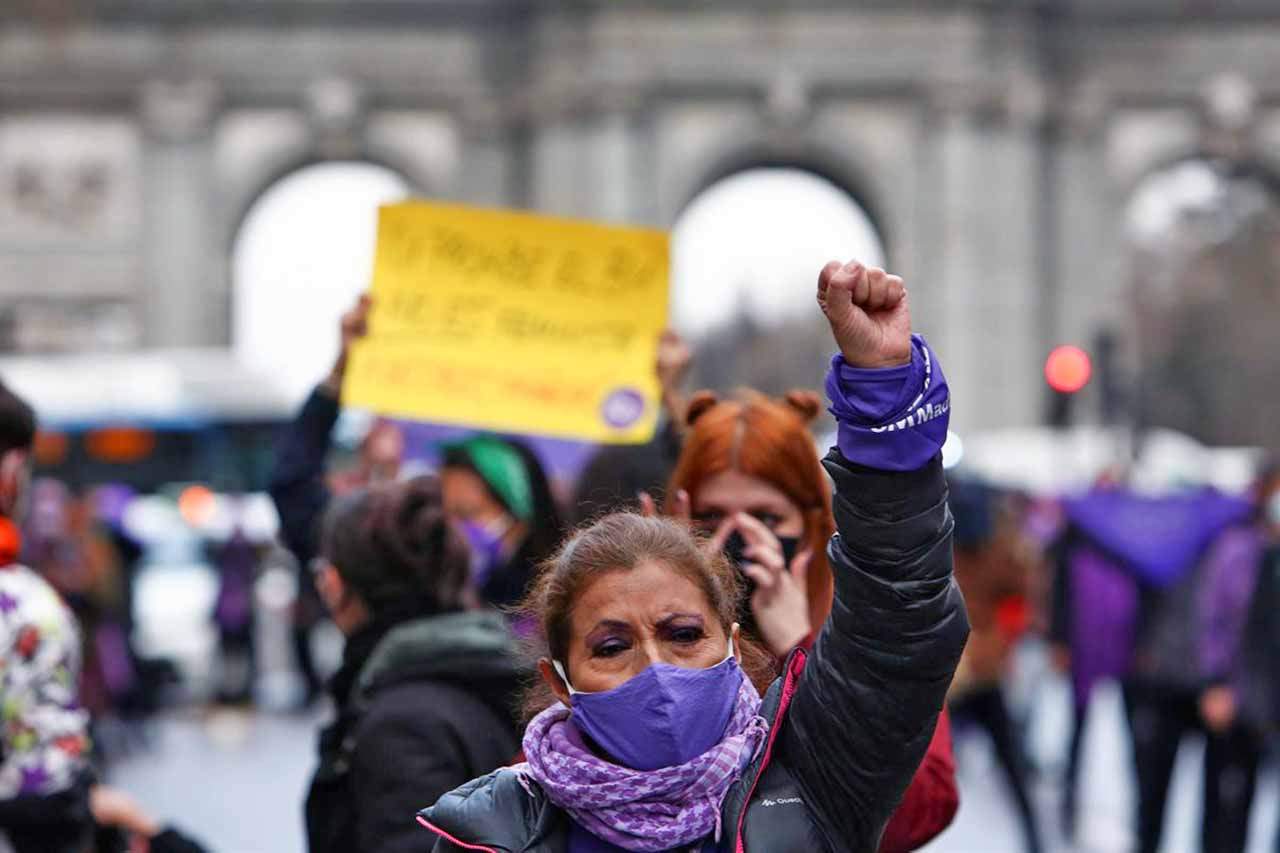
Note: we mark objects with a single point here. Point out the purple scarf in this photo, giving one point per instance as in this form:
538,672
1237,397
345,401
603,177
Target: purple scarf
642,810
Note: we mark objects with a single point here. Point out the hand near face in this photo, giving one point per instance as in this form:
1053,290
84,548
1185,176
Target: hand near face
780,600
868,313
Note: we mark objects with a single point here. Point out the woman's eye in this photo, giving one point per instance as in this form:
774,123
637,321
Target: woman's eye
686,635
769,520
608,650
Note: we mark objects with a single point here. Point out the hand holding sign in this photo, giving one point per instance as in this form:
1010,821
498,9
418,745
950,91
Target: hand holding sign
513,322
352,327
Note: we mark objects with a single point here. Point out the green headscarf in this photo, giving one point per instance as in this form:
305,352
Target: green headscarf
502,469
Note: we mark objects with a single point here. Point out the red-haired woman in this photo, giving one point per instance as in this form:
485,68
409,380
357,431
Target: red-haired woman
749,476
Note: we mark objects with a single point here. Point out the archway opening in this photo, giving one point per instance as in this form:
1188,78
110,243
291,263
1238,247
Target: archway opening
1204,236
302,255
746,252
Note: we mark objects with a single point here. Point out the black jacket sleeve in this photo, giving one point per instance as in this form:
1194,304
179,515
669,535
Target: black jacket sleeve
869,698
297,482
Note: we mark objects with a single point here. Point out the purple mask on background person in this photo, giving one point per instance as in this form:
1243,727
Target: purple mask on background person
485,542
665,716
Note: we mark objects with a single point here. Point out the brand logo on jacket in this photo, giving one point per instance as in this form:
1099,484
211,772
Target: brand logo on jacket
781,801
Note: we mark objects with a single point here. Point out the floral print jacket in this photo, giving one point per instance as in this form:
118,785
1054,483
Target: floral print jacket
43,731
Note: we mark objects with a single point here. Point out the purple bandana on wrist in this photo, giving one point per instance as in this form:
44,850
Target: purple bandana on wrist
891,418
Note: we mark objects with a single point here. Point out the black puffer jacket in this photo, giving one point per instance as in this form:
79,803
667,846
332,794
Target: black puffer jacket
431,704
850,722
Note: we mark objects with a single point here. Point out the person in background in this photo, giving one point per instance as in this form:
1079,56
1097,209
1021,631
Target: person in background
1130,606
44,740
653,736
1237,663
426,693
1165,700
237,560
497,493
495,489
1255,678
994,566
302,487
749,478
617,474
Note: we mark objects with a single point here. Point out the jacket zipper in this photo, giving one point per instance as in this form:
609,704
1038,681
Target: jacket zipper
788,689
447,837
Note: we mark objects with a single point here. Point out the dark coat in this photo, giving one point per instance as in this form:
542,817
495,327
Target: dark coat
1256,676
431,706
50,823
849,722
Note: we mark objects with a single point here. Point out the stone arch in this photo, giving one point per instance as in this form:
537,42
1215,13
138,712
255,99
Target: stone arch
839,171
1205,290
752,315
239,207
307,261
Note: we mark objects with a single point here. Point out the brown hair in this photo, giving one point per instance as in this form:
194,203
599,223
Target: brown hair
621,542
392,544
769,439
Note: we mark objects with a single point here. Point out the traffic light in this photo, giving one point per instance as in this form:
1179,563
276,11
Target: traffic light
1066,371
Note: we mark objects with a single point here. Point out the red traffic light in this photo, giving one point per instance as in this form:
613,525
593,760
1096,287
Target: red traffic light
1067,369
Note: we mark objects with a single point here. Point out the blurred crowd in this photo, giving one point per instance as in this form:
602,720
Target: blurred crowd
1167,593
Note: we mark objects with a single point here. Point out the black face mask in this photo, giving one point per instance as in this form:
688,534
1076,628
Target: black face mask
735,549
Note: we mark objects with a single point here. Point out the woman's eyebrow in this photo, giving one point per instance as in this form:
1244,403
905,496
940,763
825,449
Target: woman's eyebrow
605,626
666,621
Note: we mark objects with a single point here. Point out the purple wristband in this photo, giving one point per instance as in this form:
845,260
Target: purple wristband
891,418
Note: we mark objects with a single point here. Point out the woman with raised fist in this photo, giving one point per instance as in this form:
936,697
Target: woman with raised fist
653,736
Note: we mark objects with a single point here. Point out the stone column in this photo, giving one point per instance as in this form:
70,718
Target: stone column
984,259
185,302
1091,257
488,164
615,163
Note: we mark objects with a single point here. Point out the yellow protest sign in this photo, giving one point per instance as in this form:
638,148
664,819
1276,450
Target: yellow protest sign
514,322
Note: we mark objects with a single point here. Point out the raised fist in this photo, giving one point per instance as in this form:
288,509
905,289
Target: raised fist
674,359
867,309
355,322
353,326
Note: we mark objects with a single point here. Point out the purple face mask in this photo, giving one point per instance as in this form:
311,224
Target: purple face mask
664,716
486,548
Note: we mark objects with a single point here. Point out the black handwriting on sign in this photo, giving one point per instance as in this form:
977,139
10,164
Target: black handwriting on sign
512,263
456,317
533,327
603,273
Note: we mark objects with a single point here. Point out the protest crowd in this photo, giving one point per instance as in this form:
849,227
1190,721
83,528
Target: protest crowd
724,638
534,564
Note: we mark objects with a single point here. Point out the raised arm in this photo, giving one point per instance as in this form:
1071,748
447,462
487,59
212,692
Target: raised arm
297,484
865,709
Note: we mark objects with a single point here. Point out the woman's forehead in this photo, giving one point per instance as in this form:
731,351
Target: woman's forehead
735,488
646,594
